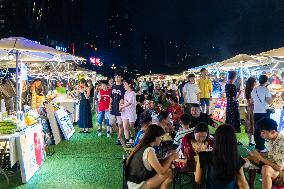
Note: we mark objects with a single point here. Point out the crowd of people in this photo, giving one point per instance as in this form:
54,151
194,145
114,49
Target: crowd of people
143,114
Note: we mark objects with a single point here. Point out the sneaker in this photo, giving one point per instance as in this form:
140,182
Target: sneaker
263,151
118,142
108,135
99,134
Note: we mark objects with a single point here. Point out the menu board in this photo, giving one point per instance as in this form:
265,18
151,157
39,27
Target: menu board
65,123
278,116
219,112
30,146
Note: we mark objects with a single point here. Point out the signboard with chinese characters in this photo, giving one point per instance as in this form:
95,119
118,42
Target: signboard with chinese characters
65,123
30,146
278,116
219,112
96,61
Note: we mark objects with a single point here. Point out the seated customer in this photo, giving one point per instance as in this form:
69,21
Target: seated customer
222,168
184,130
175,109
272,171
145,121
197,141
164,121
143,168
197,117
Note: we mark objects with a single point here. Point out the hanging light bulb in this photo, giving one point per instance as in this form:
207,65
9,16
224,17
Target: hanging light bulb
11,57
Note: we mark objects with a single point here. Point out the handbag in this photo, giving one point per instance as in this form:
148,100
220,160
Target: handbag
268,110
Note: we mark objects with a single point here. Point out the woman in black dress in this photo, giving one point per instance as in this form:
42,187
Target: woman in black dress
85,114
232,110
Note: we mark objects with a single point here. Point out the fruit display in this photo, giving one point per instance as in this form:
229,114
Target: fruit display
31,117
7,127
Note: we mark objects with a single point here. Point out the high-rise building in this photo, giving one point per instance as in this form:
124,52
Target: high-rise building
120,36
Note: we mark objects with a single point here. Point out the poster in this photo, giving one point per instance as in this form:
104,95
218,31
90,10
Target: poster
65,123
219,112
30,145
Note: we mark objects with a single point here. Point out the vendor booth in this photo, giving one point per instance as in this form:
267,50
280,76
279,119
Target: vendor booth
24,132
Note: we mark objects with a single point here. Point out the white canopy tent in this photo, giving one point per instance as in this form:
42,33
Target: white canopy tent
15,51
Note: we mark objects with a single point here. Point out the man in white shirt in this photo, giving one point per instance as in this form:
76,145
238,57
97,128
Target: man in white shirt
261,99
190,92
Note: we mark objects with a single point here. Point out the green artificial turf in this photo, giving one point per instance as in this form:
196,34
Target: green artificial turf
86,161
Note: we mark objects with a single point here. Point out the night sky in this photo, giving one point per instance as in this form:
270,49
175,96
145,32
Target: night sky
214,29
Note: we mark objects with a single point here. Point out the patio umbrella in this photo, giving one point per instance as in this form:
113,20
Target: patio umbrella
239,61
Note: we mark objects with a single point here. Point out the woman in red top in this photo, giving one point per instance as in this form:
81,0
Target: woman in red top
195,142
175,109
103,107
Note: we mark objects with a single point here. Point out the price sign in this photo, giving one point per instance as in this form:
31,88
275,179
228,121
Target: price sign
65,123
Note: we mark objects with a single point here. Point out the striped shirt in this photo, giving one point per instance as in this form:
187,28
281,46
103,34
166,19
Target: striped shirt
180,134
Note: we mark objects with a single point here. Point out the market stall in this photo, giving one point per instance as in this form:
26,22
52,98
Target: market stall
22,135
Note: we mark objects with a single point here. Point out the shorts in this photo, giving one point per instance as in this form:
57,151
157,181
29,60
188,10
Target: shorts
103,115
279,181
204,101
113,119
130,117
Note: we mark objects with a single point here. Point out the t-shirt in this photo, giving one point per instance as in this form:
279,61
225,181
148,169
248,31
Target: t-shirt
144,86
180,134
191,90
131,109
174,87
212,181
202,118
117,94
60,90
260,104
205,87
276,150
138,138
104,99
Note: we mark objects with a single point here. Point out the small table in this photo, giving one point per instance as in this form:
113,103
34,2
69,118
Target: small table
8,142
183,176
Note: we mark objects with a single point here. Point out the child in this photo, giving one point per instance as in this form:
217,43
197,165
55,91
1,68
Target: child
144,121
184,130
103,107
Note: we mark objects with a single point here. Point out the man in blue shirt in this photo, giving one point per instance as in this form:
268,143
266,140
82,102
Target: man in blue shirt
144,121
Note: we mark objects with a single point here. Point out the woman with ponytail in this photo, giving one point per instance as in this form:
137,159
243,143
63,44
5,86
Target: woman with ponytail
143,169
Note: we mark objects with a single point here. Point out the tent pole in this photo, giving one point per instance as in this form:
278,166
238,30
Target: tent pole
18,108
242,74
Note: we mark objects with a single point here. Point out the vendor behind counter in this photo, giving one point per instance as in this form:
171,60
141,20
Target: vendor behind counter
59,89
